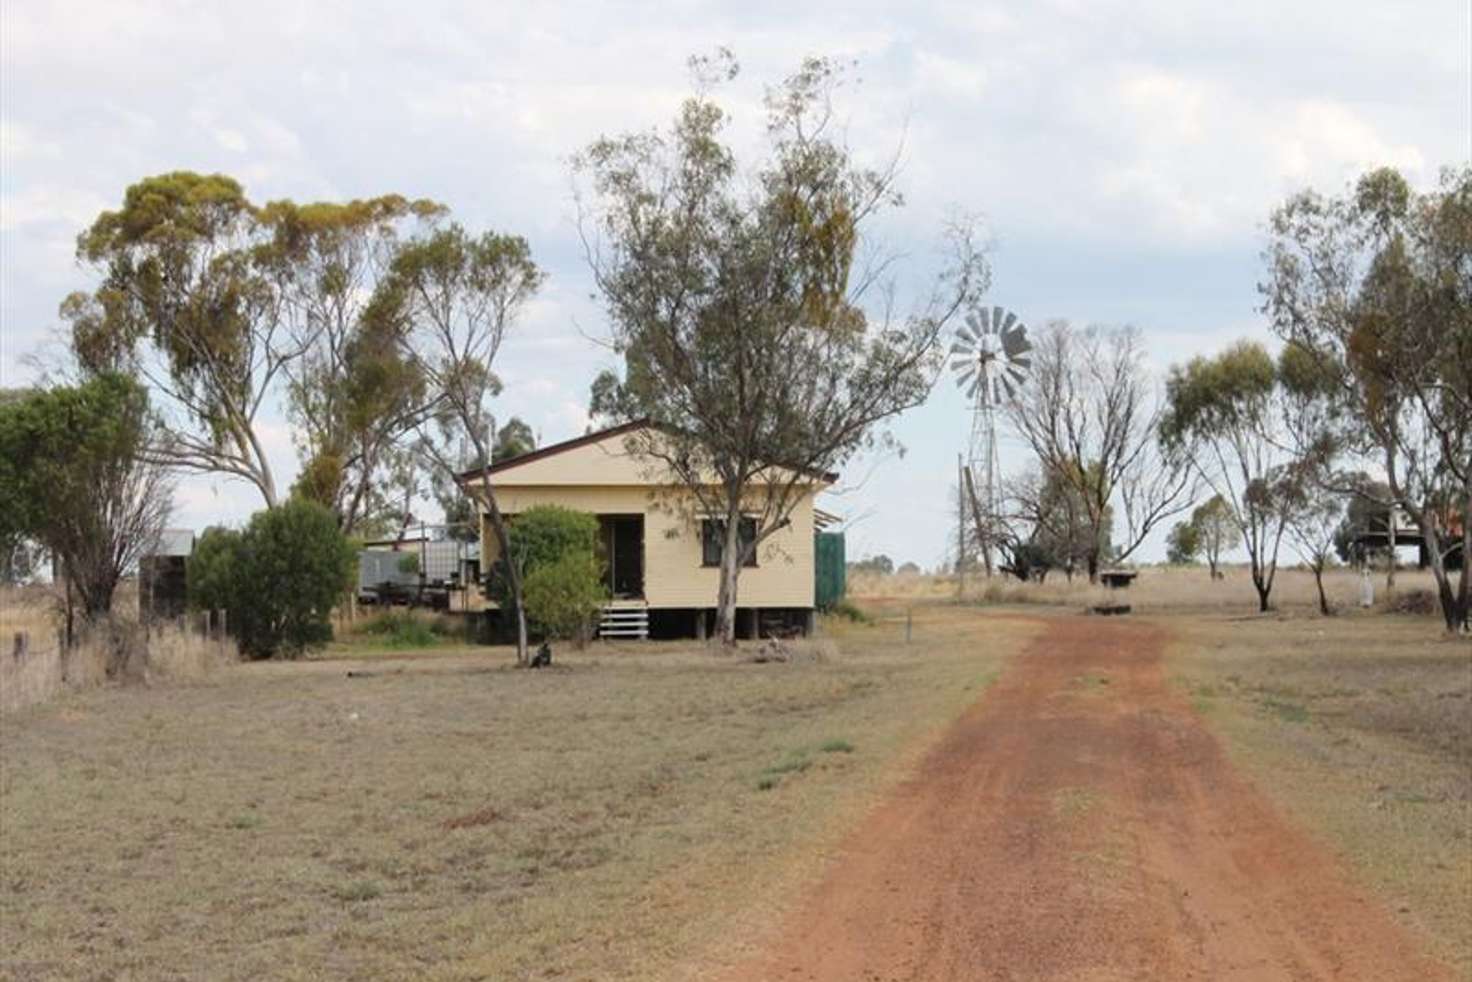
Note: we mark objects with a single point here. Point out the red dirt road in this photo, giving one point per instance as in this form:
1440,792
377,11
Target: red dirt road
1079,823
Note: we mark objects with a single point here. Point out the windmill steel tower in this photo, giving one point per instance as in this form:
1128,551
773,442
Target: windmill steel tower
990,358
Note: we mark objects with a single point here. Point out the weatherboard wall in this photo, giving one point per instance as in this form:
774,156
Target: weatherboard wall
673,574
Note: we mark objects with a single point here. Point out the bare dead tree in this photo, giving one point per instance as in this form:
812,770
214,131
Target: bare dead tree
1090,414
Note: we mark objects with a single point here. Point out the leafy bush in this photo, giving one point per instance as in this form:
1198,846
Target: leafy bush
562,580
278,579
563,597
404,629
212,569
545,534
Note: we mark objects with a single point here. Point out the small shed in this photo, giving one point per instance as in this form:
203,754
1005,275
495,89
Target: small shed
163,576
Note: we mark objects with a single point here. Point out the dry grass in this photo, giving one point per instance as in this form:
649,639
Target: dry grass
1158,589
447,817
120,650
1361,727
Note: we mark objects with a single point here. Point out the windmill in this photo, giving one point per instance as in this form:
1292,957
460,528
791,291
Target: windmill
990,358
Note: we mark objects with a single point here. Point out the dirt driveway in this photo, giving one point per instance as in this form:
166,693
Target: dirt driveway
1079,823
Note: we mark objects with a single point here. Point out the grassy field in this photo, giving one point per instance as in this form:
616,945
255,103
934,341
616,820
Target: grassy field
444,816
440,815
1359,726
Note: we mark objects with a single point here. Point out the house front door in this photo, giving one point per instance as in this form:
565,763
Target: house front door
623,554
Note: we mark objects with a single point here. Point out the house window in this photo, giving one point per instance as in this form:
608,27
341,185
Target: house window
713,540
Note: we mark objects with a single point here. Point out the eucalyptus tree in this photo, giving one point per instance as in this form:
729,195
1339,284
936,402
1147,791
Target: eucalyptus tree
184,304
754,337
1215,530
461,294
1090,415
1227,417
1376,286
1047,514
358,389
1314,512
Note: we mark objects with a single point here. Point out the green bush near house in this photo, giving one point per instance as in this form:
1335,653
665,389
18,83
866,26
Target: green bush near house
556,549
278,579
563,598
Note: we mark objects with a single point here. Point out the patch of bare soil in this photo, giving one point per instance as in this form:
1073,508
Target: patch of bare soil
1079,823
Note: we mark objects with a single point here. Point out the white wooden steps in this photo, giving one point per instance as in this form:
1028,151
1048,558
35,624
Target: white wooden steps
624,619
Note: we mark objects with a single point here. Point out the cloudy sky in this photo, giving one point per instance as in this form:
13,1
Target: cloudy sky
1124,155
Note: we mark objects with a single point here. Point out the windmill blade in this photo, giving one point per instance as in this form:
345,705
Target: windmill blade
1008,388
962,378
1007,324
1023,362
1016,374
976,381
961,348
973,327
962,364
997,314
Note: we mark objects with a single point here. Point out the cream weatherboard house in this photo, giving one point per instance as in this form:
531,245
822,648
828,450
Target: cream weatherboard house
661,556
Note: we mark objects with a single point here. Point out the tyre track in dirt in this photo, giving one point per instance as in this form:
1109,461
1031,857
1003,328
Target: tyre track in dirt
1080,823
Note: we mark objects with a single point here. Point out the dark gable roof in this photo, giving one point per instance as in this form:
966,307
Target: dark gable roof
575,443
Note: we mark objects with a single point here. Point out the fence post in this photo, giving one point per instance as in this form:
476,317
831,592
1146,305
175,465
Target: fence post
908,623
22,645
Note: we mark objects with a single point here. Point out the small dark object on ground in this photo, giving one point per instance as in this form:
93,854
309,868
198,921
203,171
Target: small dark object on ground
1109,610
543,657
369,675
1118,579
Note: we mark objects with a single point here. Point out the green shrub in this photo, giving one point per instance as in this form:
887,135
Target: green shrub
212,570
404,629
564,597
544,534
847,610
562,579
278,579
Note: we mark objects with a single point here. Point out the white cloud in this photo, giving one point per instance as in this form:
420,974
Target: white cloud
48,205
231,139
1124,152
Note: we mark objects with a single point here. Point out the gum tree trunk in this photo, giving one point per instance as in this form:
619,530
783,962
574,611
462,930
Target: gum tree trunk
730,573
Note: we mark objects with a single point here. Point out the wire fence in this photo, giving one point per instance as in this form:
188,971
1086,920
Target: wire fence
38,664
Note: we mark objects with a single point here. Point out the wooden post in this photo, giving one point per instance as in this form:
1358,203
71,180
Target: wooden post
700,624
909,623
960,530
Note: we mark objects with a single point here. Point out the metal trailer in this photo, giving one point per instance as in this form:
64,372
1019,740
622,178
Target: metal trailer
417,571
